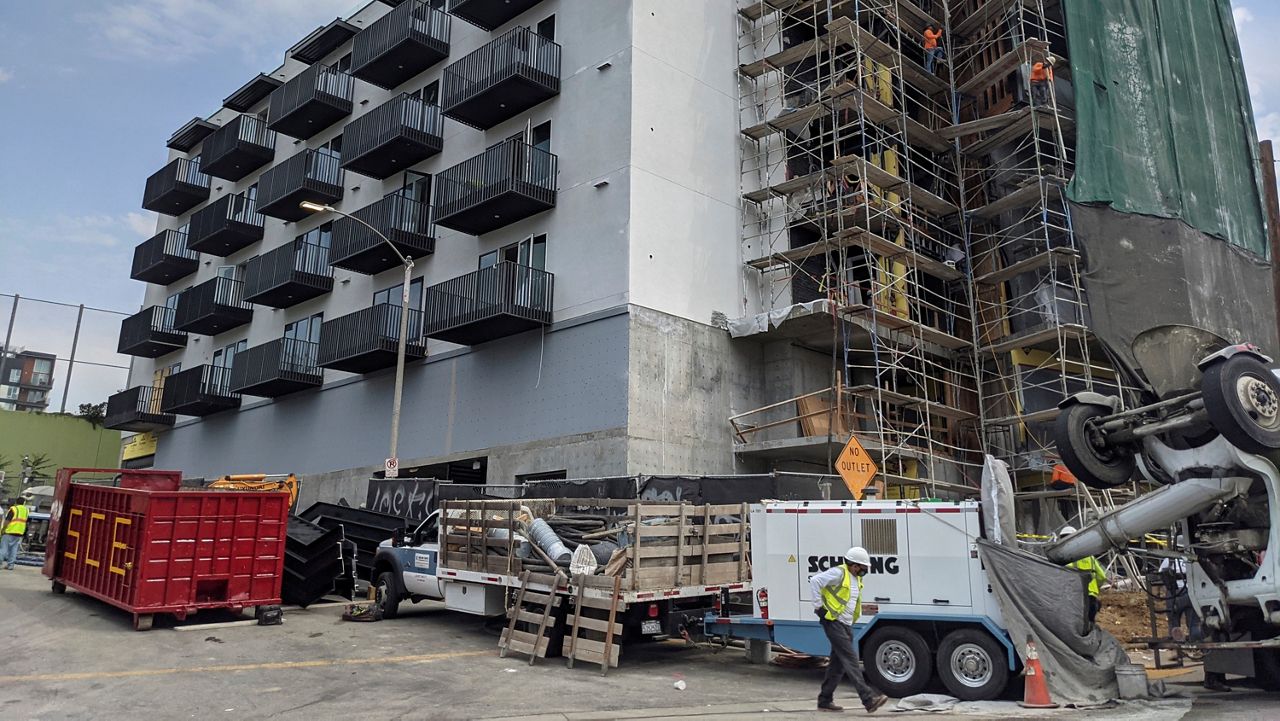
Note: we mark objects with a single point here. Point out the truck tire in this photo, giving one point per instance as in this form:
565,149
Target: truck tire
59,587
143,621
897,661
1095,467
1242,398
387,595
972,665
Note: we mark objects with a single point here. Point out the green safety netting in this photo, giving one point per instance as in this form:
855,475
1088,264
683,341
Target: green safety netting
1165,122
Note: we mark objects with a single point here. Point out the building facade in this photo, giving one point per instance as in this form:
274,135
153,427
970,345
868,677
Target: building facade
26,380
647,237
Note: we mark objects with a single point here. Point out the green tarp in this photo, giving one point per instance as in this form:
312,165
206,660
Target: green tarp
1165,122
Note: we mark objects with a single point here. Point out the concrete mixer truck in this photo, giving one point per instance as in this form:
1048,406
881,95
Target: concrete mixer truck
1207,433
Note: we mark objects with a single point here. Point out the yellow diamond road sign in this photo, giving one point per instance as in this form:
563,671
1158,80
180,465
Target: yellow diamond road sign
856,467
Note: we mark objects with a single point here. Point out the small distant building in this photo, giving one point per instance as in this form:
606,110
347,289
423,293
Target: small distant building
26,380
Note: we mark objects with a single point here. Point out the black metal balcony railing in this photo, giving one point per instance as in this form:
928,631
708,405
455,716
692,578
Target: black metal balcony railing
508,182
238,148
176,188
137,409
150,333
366,340
310,175
288,275
282,366
164,258
499,81
489,14
396,135
215,306
493,302
229,224
406,223
310,102
200,391
404,42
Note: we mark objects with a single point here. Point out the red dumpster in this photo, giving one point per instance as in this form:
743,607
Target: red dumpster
148,547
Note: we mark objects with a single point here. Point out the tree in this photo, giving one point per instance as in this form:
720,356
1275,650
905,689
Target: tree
36,465
95,413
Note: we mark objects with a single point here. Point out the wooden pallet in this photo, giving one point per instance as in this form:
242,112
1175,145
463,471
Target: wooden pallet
534,645
586,627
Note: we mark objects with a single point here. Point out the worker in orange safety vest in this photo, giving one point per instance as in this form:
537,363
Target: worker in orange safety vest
932,51
1041,77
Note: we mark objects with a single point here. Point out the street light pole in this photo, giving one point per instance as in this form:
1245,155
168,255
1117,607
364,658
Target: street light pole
407,262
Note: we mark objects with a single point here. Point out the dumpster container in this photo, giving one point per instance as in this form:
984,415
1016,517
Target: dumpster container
152,548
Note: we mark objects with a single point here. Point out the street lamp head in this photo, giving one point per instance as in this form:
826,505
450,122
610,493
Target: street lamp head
314,207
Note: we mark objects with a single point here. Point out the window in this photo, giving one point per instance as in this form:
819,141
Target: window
530,252
226,358
15,375
321,236
302,343
344,64
391,296
540,136
331,149
429,94
10,392
417,186
8,406
43,365
543,476
307,329
35,396
547,28
438,4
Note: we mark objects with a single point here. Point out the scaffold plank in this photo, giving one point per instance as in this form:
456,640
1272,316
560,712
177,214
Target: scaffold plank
1020,128
842,96
885,180
859,238
908,401
1025,52
927,333
1035,262
1037,338
1027,195
781,59
756,9
847,31
982,15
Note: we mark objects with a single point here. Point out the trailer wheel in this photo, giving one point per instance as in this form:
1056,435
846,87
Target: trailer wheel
1095,467
972,665
59,587
1242,397
897,661
387,598
143,621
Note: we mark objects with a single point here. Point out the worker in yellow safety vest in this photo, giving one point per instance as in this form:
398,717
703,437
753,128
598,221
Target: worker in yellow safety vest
1091,566
15,527
836,606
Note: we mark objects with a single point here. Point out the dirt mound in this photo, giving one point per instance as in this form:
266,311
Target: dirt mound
1124,614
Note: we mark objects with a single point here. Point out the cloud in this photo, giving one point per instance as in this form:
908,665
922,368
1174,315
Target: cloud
176,30
5,75
1242,16
144,224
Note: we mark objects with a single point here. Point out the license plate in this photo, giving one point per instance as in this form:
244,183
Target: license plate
651,628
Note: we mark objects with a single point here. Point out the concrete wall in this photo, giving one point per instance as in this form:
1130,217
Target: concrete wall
66,440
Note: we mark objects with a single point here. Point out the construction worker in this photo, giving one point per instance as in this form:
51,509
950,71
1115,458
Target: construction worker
1041,76
837,608
932,51
1174,573
15,527
1091,566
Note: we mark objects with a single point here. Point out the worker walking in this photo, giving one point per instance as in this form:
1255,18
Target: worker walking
838,608
932,51
1174,573
1041,76
15,527
1091,566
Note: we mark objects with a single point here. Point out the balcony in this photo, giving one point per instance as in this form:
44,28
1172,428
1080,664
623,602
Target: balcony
229,224
366,340
251,93
137,409
288,275
309,175
405,222
502,79
312,101
489,14
281,367
200,391
238,148
508,182
176,188
215,306
404,42
493,302
398,134
150,334
164,258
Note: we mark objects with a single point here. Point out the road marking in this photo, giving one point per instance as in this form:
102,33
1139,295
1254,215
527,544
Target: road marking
93,675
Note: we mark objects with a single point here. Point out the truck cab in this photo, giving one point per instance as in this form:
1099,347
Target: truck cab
407,568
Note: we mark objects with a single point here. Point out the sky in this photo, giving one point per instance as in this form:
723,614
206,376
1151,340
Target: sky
90,90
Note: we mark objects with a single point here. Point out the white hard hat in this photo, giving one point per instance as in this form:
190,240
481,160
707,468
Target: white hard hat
1067,530
858,555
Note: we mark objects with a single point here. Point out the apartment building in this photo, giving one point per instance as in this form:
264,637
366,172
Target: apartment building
560,175
26,380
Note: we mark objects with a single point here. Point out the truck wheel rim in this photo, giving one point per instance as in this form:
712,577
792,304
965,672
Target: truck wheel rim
970,665
895,661
1259,401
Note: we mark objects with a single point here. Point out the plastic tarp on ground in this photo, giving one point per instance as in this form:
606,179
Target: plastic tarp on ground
1164,118
1047,603
1142,271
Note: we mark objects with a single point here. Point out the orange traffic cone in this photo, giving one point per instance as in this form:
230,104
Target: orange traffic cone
1036,693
